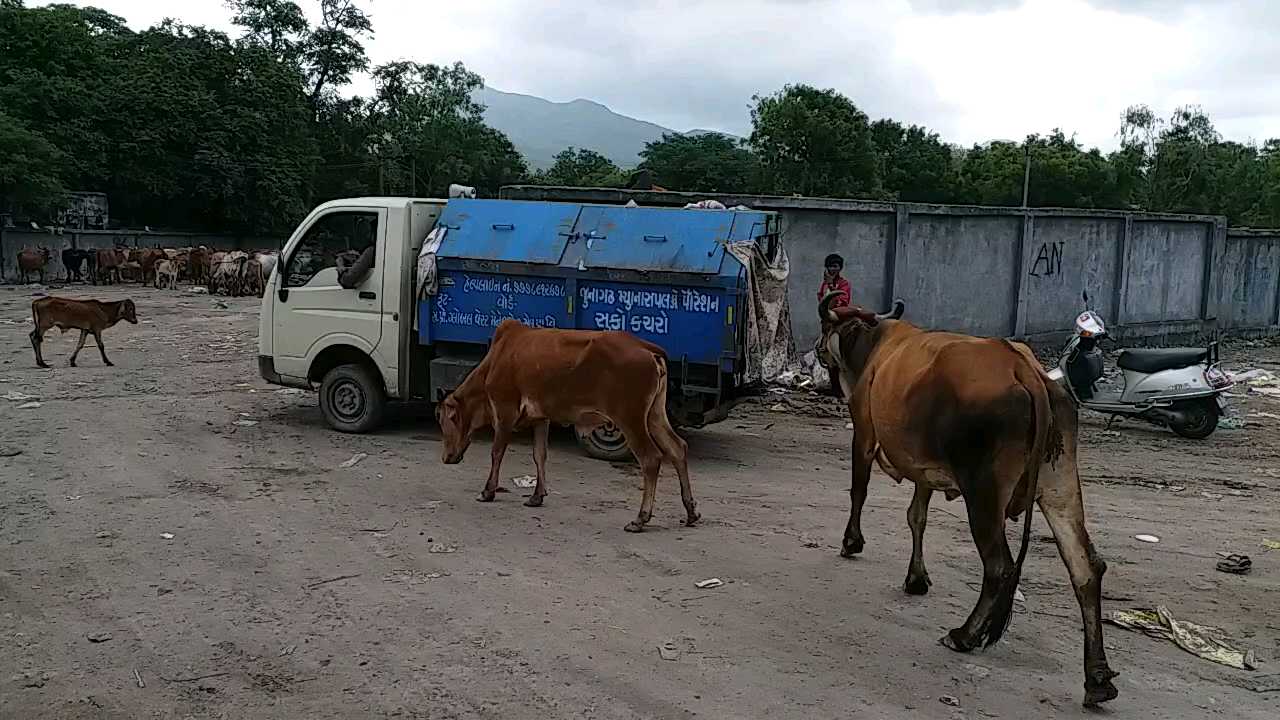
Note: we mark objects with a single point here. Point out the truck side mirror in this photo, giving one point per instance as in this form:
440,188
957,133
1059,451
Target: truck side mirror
283,294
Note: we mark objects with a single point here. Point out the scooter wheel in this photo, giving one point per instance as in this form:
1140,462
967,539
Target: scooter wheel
1201,418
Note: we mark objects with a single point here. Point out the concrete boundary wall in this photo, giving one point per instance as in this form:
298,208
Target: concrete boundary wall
14,240
1014,272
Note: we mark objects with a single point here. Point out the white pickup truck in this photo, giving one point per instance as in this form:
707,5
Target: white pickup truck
664,274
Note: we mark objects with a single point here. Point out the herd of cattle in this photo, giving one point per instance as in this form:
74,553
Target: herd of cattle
231,273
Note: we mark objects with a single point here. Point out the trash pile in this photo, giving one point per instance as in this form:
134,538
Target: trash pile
1258,382
804,387
805,374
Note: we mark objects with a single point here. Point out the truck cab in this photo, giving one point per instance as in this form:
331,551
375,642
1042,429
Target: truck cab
663,274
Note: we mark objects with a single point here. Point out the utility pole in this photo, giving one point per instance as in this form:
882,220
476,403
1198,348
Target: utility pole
413,177
1026,172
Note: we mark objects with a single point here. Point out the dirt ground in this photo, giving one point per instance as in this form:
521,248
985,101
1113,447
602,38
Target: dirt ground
159,560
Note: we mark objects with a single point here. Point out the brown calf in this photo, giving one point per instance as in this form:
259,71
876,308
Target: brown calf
87,316
975,418
33,261
533,377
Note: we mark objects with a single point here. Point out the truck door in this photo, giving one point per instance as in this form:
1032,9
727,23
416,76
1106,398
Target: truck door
312,310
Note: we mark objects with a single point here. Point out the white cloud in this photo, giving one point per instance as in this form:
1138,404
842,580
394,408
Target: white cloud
972,70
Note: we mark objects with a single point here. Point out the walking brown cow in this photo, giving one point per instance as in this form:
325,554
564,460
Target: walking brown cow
90,317
971,417
533,377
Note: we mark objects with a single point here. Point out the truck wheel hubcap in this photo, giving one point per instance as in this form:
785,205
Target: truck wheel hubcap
608,436
347,400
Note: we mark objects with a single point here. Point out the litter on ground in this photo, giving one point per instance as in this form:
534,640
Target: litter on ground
354,459
1206,642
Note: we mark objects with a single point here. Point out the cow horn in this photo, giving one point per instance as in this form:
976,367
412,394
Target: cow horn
824,307
899,307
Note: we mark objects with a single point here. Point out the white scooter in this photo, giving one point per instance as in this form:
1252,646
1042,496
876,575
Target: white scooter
1180,388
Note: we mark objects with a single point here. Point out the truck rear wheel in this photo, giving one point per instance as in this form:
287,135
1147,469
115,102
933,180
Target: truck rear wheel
606,443
352,399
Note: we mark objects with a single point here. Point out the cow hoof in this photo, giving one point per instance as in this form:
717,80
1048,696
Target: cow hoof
954,641
1098,687
43,365
917,585
533,501
486,496
692,519
634,527
851,547
109,364
1095,696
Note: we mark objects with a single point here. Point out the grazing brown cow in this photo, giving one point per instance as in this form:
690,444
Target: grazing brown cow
33,261
971,417
533,377
87,316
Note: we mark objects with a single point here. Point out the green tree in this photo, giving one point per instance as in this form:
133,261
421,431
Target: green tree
813,142
29,167
913,164
278,25
580,167
706,162
991,174
332,51
427,130
1063,174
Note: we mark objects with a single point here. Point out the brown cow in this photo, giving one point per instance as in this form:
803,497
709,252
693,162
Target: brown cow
147,259
971,417
198,265
33,261
87,316
108,266
533,377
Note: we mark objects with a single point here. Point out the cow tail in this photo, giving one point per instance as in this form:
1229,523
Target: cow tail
1032,382
35,320
660,397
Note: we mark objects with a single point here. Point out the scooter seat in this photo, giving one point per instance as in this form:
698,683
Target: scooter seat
1155,360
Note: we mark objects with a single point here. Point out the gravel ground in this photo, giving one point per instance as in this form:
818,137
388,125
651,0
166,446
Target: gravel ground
175,520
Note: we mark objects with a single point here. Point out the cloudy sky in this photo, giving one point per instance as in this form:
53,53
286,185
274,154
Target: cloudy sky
972,70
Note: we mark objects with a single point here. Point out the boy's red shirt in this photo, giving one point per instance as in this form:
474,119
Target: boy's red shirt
841,286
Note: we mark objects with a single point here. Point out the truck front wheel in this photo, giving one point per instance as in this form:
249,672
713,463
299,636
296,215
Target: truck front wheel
352,399
606,443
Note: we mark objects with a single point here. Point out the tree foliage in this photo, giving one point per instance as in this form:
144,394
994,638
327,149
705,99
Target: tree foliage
706,162
580,167
813,142
188,127
29,167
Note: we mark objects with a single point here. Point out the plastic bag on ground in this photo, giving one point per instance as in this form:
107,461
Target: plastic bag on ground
1196,639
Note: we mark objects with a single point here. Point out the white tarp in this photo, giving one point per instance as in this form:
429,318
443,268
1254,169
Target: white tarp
769,345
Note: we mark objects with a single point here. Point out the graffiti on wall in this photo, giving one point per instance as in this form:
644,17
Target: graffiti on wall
1048,260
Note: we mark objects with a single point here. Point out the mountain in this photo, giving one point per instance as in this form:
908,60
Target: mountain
540,128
